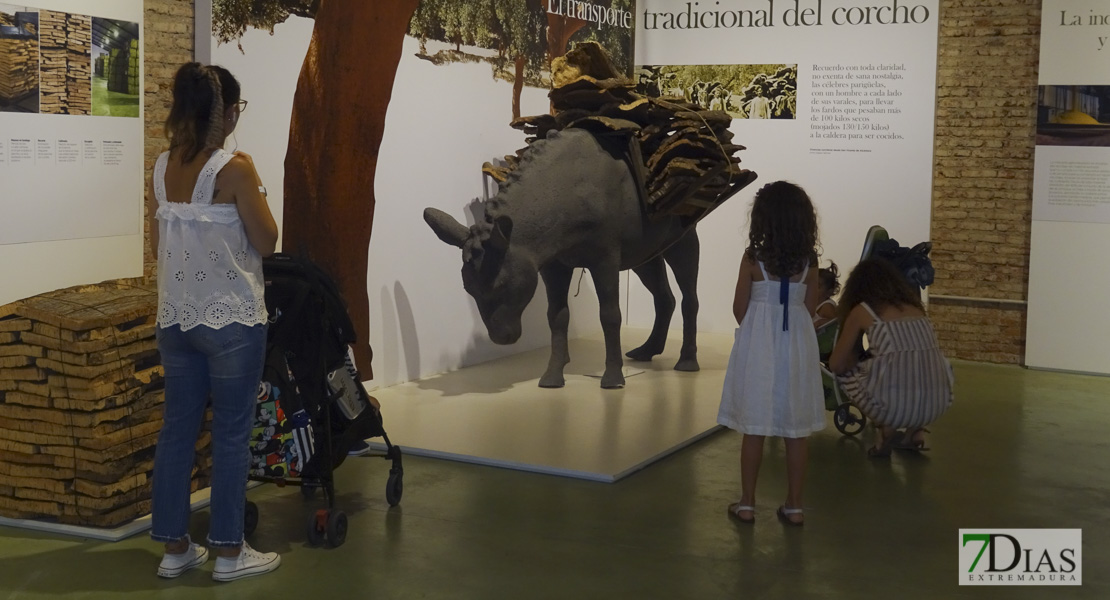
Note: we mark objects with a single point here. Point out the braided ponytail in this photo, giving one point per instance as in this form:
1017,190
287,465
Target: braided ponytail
200,96
215,137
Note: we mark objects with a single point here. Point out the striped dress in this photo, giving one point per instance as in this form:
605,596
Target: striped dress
907,382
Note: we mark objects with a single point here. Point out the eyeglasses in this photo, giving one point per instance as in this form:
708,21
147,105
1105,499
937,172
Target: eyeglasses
241,105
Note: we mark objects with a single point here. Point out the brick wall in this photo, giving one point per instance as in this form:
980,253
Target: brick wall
168,32
983,185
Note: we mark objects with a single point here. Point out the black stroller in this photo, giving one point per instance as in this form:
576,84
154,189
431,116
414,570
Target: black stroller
312,408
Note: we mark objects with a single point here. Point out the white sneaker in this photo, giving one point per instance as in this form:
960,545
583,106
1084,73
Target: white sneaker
249,562
175,564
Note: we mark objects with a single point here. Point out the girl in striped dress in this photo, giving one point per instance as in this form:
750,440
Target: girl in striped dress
903,382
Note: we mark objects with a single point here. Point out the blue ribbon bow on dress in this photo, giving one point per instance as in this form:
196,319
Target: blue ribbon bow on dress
784,298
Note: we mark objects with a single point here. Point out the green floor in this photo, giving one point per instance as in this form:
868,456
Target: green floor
112,104
1020,450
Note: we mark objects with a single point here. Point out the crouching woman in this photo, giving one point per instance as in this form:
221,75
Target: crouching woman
902,382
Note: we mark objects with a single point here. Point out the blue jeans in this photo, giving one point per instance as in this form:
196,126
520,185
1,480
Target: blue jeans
226,363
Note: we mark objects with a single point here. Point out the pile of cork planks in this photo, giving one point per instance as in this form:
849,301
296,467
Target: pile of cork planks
19,61
81,395
66,63
79,64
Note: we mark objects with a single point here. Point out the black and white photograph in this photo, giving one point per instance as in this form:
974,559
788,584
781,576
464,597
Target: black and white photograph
743,91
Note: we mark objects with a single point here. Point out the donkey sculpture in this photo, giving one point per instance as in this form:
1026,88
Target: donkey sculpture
574,202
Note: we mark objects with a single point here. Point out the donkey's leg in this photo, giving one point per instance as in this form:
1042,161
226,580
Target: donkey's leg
653,274
607,281
683,258
556,278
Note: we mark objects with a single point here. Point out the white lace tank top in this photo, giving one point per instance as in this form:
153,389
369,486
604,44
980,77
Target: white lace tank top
208,273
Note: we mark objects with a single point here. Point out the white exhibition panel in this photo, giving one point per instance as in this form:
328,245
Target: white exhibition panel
1066,328
854,183
71,186
443,124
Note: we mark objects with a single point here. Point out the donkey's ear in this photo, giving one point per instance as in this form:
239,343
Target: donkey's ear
446,227
502,232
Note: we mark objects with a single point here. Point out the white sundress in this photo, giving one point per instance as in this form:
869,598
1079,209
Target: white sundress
773,382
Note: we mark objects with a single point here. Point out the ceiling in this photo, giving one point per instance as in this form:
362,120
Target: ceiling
110,34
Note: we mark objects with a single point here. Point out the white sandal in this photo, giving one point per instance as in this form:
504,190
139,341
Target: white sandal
784,515
735,508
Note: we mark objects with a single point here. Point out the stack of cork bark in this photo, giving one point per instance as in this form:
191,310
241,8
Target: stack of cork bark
80,406
79,64
66,48
19,61
682,153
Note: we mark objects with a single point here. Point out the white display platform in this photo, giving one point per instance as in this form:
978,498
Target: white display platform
496,414
197,501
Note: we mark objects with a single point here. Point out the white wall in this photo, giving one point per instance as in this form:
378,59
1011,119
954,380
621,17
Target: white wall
1067,328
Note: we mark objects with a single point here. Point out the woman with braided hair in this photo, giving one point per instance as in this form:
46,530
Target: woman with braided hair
213,228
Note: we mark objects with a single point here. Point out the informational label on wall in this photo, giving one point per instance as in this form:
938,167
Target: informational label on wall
837,96
1070,233
857,102
71,78
71,159
1073,114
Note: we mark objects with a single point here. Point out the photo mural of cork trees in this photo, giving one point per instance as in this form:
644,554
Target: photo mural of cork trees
345,86
520,38
115,80
743,91
65,69
19,59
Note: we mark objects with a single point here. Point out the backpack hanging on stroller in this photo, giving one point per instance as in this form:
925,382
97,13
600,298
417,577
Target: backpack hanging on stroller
312,407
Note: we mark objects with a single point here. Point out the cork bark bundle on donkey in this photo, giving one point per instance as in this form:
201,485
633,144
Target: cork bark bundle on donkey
582,194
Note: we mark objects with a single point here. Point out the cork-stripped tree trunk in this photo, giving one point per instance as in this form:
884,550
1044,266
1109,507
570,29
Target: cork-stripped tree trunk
560,29
337,126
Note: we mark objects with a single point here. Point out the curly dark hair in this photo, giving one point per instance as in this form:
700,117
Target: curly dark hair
783,234
876,282
830,278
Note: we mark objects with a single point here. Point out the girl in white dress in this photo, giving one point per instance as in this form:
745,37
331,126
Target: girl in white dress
773,382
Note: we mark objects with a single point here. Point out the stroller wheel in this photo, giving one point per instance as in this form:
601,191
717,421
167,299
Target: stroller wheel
394,487
337,528
250,518
846,420
316,526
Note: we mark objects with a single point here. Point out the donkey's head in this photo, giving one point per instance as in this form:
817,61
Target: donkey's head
501,277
